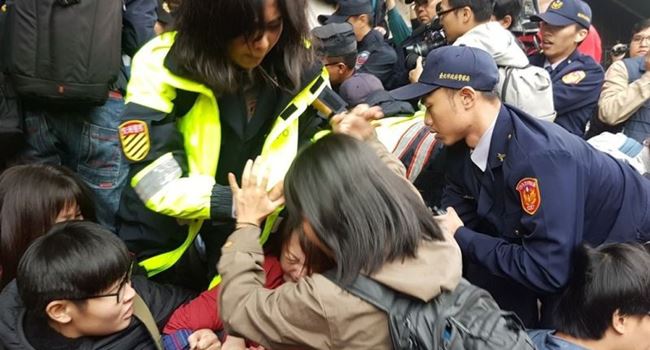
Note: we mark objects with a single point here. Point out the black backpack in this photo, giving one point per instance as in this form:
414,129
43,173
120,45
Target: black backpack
63,51
467,318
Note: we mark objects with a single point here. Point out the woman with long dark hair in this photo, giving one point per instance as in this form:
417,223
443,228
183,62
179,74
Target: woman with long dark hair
354,215
234,79
32,199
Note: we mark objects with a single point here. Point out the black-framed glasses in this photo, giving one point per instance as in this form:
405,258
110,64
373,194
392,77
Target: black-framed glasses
440,12
119,294
331,64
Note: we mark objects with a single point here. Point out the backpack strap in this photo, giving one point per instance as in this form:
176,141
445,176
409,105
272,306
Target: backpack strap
368,290
142,312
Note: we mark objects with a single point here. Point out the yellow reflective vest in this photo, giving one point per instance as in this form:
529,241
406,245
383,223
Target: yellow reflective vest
161,185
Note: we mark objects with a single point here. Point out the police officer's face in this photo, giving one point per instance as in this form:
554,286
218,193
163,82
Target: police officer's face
559,42
249,54
445,117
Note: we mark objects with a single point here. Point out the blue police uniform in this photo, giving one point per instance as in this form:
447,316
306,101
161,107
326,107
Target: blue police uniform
578,79
377,57
543,193
539,193
576,88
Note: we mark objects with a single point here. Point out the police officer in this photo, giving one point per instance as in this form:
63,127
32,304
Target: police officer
576,77
375,56
202,101
522,194
336,46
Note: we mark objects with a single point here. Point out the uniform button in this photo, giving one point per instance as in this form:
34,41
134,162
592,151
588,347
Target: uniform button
509,136
516,232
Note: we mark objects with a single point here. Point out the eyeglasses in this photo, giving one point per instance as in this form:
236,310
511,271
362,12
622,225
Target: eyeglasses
440,12
640,39
331,64
119,294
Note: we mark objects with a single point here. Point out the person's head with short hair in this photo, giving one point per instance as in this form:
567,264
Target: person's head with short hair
607,300
33,198
507,12
351,209
640,41
358,87
564,25
458,17
425,10
219,42
358,13
336,47
457,89
77,279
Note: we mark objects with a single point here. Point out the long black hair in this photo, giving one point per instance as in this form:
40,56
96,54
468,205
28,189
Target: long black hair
31,197
361,211
207,27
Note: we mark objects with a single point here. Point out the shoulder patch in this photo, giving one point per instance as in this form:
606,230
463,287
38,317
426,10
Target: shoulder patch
574,77
362,58
134,137
529,194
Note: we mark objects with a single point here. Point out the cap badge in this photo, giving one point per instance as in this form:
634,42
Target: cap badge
556,5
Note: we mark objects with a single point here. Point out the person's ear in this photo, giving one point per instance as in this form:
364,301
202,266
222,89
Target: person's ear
581,35
466,14
468,97
619,322
364,18
506,22
59,311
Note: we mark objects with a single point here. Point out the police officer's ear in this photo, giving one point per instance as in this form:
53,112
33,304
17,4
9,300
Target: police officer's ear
365,19
468,97
581,34
620,322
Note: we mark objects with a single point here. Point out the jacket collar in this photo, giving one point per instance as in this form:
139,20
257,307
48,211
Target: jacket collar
503,132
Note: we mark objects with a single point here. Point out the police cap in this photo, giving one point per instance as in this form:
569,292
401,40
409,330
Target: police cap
346,9
453,67
335,39
562,13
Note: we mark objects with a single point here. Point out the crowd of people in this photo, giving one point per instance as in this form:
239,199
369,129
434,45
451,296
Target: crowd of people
303,174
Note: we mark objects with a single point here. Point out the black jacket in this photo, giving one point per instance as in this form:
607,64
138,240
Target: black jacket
161,299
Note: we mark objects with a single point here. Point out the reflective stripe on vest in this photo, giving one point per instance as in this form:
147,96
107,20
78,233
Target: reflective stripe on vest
201,130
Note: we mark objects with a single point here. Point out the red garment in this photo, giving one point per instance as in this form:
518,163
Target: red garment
592,46
203,311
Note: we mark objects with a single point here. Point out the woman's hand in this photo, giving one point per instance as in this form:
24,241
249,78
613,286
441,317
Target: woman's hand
252,202
356,123
204,339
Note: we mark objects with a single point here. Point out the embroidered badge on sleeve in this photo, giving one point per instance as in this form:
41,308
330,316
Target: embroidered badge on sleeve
134,136
529,194
574,77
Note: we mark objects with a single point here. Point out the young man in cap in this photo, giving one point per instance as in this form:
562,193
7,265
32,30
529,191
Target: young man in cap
577,78
522,194
336,47
375,56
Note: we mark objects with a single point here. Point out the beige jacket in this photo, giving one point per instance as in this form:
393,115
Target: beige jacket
315,313
618,99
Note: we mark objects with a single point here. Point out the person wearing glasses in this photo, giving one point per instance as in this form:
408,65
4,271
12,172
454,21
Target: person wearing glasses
606,304
469,23
73,290
336,47
625,99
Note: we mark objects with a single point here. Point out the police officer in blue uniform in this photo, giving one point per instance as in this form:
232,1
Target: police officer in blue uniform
375,55
577,78
522,194
336,47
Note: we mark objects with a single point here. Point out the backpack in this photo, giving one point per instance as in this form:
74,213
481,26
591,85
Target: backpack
528,88
467,318
63,51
